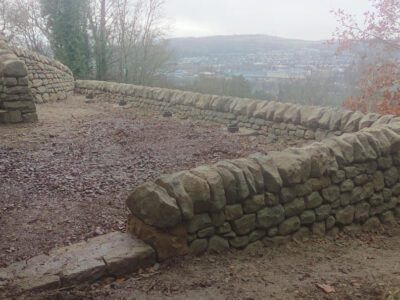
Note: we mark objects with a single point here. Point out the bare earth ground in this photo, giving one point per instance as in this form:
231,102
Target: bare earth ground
66,178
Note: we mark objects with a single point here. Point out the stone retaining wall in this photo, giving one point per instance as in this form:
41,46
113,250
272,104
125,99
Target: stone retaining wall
269,118
16,100
49,80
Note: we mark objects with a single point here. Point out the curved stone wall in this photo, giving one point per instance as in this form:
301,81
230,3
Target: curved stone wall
16,100
347,181
49,79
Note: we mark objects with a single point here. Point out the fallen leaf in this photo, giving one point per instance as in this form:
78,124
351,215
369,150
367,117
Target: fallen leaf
326,288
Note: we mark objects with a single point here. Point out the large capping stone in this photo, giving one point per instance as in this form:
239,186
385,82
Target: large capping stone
173,185
198,190
294,165
152,204
272,179
242,189
251,169
214,180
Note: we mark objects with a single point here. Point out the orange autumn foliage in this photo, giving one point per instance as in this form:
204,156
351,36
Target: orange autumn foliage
377,44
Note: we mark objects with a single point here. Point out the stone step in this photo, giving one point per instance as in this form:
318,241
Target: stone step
113,254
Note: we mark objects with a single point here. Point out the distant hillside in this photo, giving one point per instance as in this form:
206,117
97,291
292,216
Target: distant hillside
236,44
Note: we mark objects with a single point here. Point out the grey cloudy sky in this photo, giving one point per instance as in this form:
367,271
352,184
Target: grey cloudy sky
302,19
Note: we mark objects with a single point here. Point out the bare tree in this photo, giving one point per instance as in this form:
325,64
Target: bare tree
23,25
128,39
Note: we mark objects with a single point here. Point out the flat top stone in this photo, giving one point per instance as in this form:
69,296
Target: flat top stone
118,252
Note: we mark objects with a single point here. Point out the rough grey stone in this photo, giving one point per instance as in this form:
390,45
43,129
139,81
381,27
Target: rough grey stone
206,232
387,218
302,235
330,222
272,231
385,162
175,189
318,184
307,217
289,226
397,212
318,228
371,224
351,172
233,212
361,179
387,194
331,193
245,224
253,204
323,212
294,208
218,218
302,189
239,242
345,216
199,222
214,180
378,180
271,199
218,244
287,194
272,179
313,200
270,216
198,190
229,183
376,199
396,189
152,204
257,235
358,194
198,246
362,211
225,228
242,190
391,176
347,185
338,176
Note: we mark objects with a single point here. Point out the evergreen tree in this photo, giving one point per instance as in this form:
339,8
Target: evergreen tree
67,21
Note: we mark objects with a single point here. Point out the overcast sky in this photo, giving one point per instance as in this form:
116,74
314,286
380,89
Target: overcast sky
301,19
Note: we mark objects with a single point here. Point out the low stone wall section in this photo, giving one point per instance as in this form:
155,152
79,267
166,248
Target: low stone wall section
269,118
344,183
49,79
16,100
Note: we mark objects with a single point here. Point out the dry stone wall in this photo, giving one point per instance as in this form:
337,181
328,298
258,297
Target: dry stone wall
269,118
347,181
16,100
49,80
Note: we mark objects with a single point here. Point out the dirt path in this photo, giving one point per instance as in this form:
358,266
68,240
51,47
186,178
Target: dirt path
66,178
361,266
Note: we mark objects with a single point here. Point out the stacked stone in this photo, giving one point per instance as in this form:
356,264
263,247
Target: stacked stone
346,183
16,101
49,80
269,118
